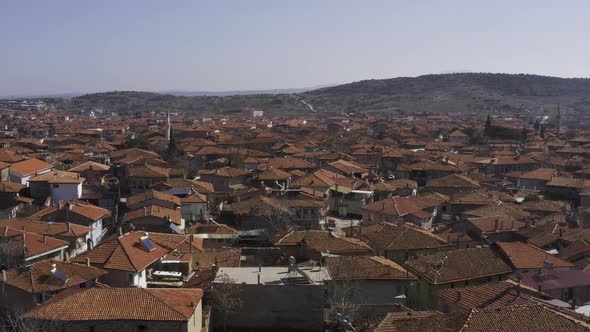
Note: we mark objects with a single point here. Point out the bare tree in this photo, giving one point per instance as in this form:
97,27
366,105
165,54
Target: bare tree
276,215
12,250
225,297
343,290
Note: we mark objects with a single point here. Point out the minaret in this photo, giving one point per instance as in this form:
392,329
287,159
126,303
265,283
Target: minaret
167,126
558,124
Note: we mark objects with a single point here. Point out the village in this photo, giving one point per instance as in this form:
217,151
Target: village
397,221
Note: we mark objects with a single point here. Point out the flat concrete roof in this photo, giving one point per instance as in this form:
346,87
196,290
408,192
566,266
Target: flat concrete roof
271,275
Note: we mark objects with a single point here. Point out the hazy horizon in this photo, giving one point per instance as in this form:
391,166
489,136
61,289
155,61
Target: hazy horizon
64,47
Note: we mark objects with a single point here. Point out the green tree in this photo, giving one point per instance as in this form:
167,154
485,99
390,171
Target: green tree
172,151
140,142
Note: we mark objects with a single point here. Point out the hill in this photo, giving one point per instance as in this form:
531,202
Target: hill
460,92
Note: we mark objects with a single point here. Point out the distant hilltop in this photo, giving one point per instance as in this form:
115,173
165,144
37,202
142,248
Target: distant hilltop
455,92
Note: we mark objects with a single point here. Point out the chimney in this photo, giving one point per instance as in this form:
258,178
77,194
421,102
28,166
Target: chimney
259,278
69,227
496,224
518,290
145,210
120,230
190,244
573,304
87,261
458,296
44,239
560,232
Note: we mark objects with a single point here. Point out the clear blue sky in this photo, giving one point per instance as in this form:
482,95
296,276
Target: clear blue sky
81,46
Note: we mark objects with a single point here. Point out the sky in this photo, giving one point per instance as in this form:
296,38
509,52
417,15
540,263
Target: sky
78,46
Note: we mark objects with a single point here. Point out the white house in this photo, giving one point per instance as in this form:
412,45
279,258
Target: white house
22,171
59,185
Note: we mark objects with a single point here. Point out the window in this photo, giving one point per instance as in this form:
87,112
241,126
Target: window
130,278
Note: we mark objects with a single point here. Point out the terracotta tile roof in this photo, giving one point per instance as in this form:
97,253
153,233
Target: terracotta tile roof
538,174
366,268
516,318
70,208
524,318
458,265
128,254
9,156
322,241
495,294
347,167
58,177
29,167
153,210
289,163
568,183
195,197
510,211
211,229
227,172
112,304
33,244
272,174
496,224
148,171
575,250
395,184
389,236
10,187
401,206
179,183
543,205
453,181
526,256
59,229
152,195
260,206
39,277
90,166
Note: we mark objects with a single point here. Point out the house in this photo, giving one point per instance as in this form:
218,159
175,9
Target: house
536,317
568,285
4,171
397,242
25,288
152,197
58,185
81,213
366,280
272,297
451,184
22,171
93,172
25,248
388,189
496,294
128,257
494,229
347,168
143,177
122,309
525,257
76,235
10,198
532,180
450,269
505,164
312,244
194,207
155,218
458,136
420,210
223,179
